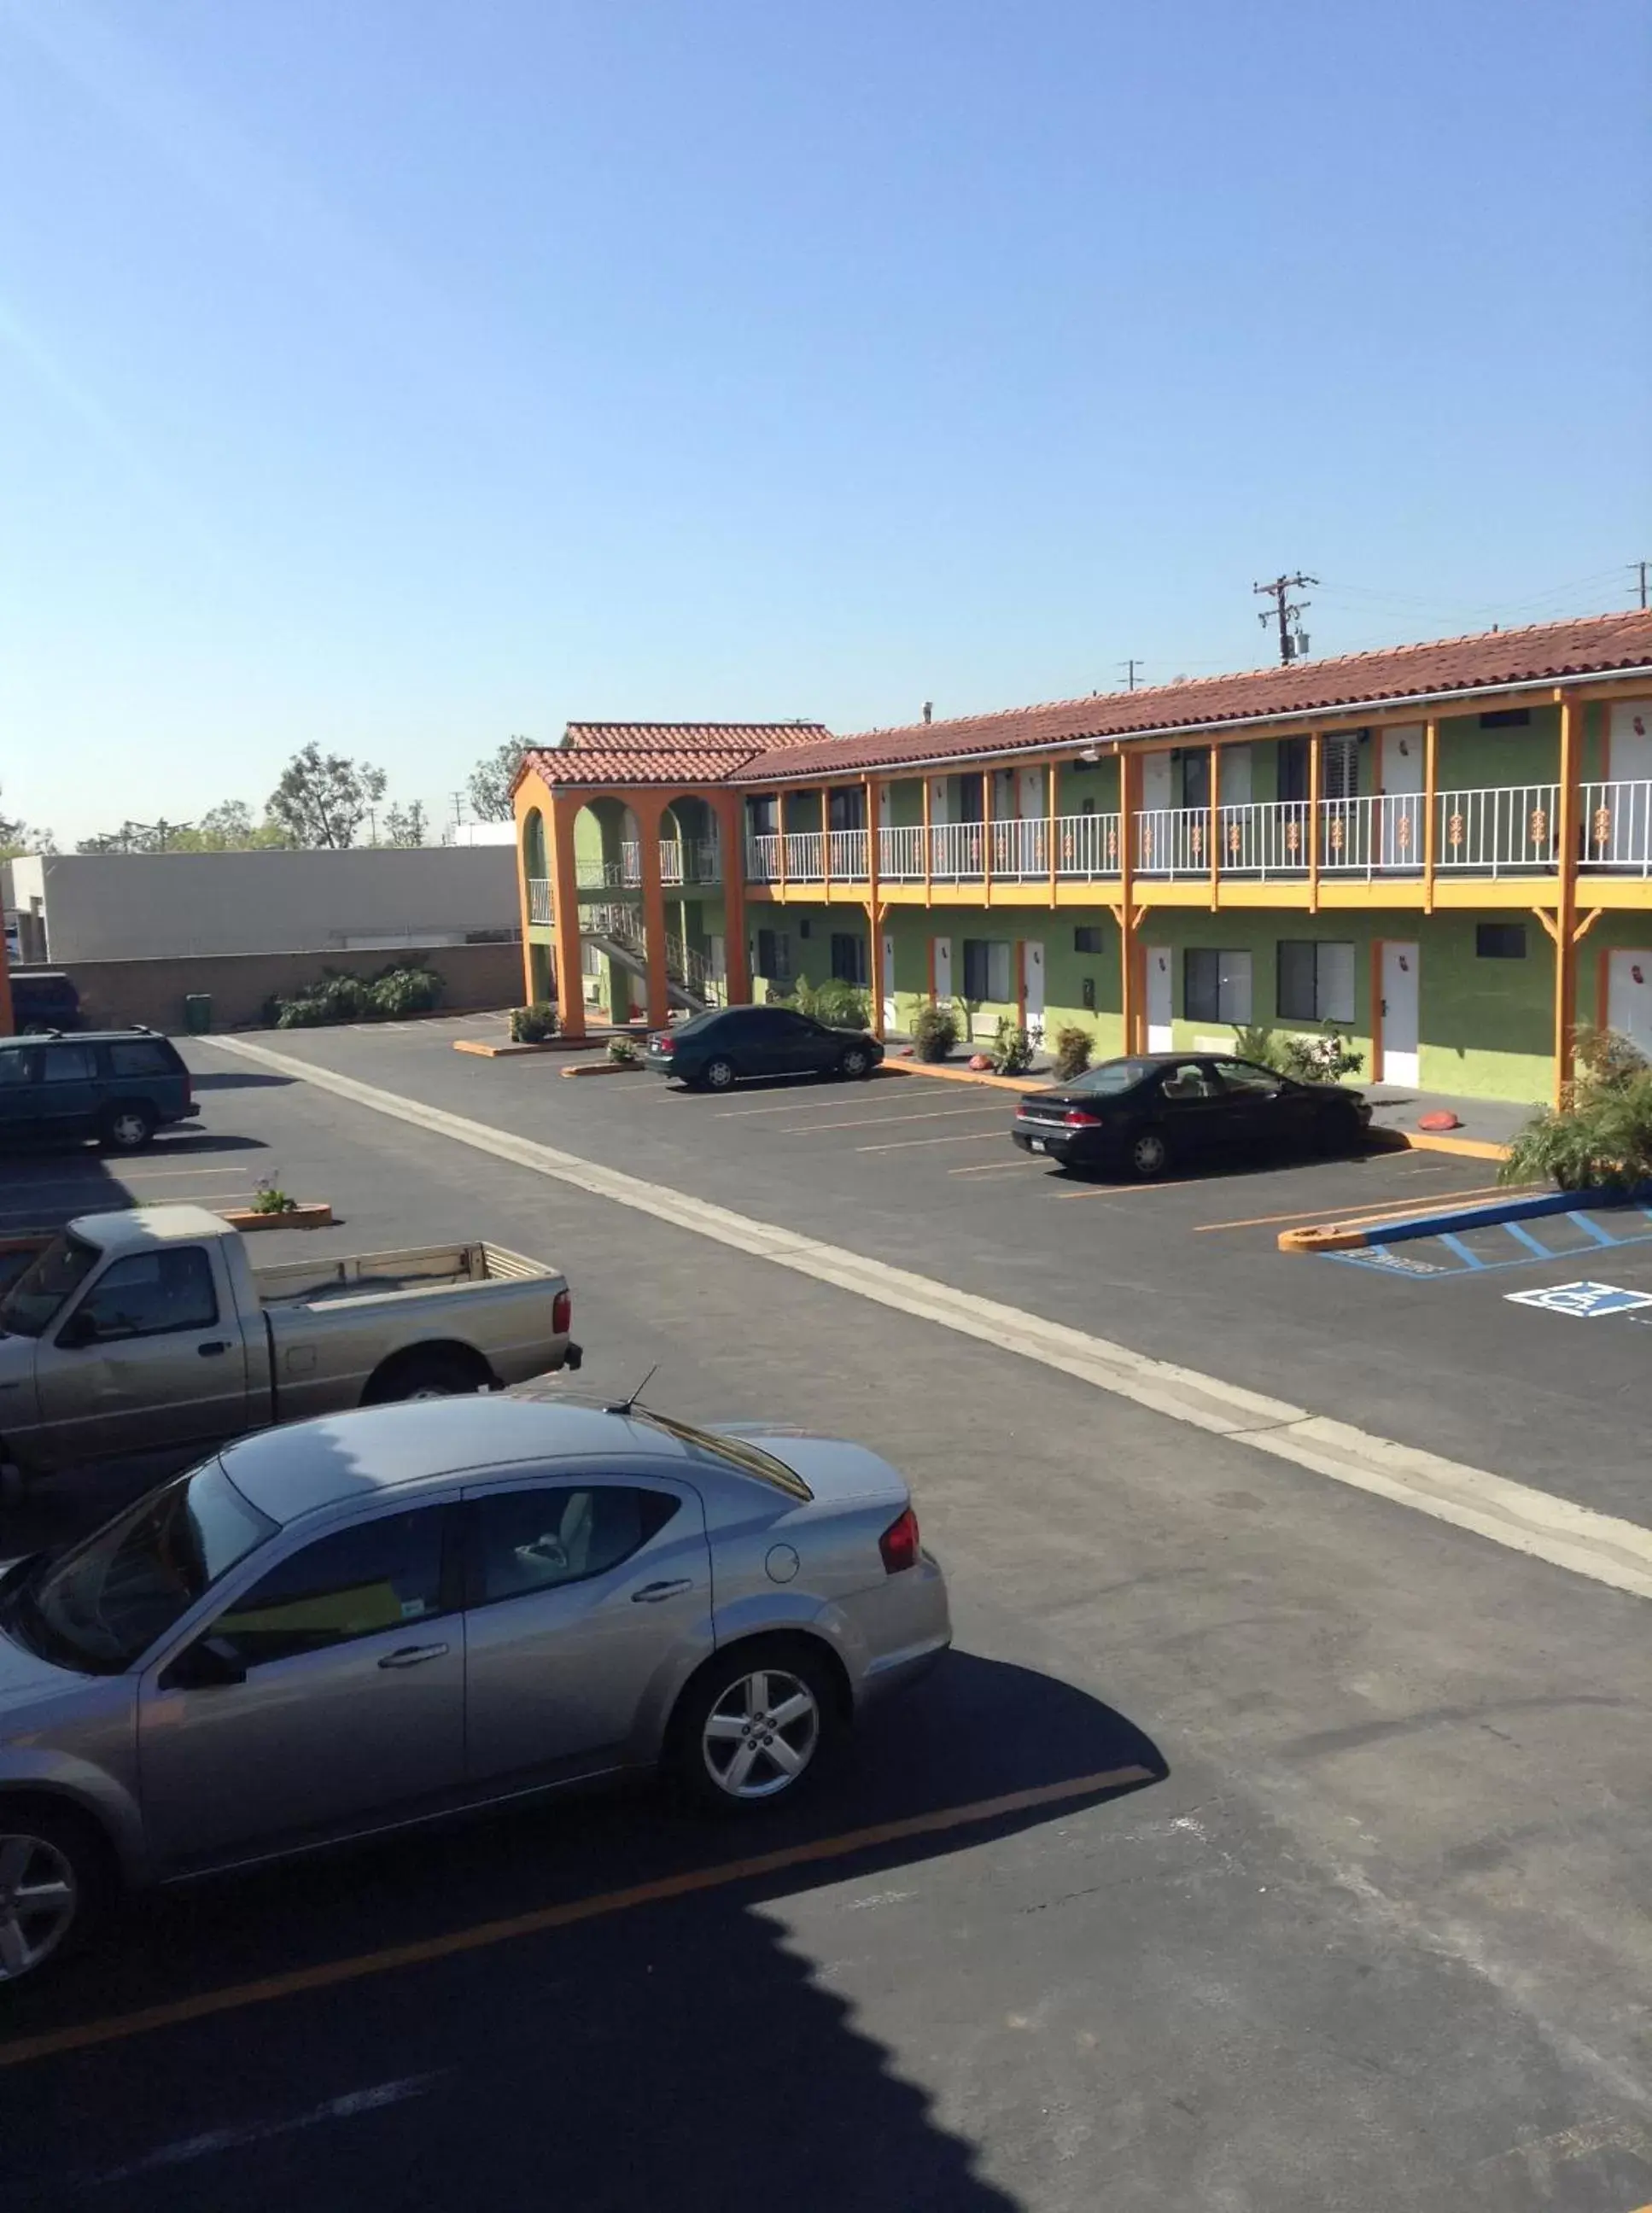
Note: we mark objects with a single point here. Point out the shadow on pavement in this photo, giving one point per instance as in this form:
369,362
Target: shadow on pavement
680,2053
235,1080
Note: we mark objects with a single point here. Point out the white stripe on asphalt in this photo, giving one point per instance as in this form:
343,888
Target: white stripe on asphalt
1515,1515
188,2148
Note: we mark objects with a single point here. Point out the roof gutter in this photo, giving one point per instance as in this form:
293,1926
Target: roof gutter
1220,722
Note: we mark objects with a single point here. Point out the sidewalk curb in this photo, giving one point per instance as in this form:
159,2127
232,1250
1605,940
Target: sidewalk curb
1399,1229
950,1075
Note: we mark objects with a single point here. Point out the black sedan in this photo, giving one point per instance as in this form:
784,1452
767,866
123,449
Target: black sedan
713,1051
1155,1110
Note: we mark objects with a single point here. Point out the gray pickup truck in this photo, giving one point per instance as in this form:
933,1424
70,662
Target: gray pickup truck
143,1331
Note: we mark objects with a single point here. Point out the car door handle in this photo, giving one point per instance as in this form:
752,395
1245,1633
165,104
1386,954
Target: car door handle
413,1656
213,1345
651,1593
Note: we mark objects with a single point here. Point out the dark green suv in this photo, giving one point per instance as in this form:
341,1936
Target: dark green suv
119,1086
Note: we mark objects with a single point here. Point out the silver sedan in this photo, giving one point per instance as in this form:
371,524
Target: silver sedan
355,1623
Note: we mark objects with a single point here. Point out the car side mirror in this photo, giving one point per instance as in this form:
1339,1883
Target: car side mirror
210,1664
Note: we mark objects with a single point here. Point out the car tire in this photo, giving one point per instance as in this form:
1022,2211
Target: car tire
718,1075
434,1375
47,1850
855,1063
722,1749
1337,1131
129,1128
1148,1154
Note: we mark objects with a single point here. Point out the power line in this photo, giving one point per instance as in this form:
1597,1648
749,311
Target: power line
1286,613
1129,668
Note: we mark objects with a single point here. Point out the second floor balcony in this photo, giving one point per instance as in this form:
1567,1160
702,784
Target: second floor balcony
1493,831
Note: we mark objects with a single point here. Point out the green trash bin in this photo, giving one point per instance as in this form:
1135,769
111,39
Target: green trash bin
198,1012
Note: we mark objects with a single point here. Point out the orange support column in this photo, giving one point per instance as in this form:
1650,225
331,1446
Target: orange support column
1315,786
1431,809
730,811
1566,955
647,811
873,908
1215,827
564,915
1129,788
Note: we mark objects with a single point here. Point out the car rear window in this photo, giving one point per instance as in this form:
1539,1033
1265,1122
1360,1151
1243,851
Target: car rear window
143,1056
733,1452
1112,1075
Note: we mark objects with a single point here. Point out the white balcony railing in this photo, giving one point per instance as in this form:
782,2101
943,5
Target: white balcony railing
1493,831
1021,849
1173,841
539,898
1263,838
1616,825
900,855
846,855
805,857
763,859
956,852
690,861
1087,845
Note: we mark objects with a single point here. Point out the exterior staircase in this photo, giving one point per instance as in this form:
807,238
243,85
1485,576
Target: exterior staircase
618,932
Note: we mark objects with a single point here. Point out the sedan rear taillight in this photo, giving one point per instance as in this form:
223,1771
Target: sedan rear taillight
561,1313
1076,1119
662,1042
898,1543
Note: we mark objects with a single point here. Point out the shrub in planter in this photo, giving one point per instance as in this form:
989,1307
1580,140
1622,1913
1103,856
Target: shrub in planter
533,1024
622,1052
1073,1048
1012,1049
398,992
935,1033
841,1006
1601,1140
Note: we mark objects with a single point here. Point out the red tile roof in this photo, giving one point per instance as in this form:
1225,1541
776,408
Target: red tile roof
611,753
1596,646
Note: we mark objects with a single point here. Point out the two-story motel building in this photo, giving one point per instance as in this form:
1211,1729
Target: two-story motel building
1445,849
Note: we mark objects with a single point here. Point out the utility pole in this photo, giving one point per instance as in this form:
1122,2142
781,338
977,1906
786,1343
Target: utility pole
1643,566
1286,612
1129,668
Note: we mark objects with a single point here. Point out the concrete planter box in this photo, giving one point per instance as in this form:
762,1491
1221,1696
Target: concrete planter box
308,1214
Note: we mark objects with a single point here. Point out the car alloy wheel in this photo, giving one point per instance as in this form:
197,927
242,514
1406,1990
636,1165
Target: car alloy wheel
130,1128
761,1735
719,1075
1150,1156
40,1898
856,1061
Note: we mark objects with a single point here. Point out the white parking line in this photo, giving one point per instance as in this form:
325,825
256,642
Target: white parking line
869,1121
1516,1516
187,2149
793,1106
905,1144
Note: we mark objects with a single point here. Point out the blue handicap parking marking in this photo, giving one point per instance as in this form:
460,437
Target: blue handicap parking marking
1493,1245
1583,1301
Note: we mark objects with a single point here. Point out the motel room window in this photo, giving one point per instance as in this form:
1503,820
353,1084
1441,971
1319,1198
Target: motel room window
1507,718
1087,937
1316,982
986,970
1216,985
774,955
848,956
1500,941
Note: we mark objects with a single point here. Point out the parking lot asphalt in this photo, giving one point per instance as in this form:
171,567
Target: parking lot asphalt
1369,1927
1433,1352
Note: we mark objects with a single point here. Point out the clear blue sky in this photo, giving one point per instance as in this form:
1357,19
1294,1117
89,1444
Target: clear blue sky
410,373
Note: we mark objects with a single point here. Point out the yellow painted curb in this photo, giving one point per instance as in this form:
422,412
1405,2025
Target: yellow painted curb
485,1051
605,1068
1468,1148
308,1214
967,1075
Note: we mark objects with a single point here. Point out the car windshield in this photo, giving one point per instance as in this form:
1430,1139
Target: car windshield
101,1605
44,1285
1112,1076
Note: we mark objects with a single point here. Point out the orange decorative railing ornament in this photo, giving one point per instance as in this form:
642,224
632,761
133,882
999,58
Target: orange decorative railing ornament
1454,833
1602,828
1540,828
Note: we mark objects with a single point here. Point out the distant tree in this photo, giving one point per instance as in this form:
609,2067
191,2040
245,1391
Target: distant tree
229,827
16,837
404,826
162,836
492,778
323,799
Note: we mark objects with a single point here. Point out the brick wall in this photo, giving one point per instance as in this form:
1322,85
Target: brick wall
116,994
